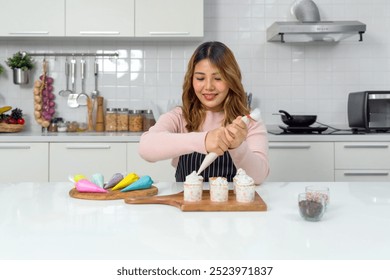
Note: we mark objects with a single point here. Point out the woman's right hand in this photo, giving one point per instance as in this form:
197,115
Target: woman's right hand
216,141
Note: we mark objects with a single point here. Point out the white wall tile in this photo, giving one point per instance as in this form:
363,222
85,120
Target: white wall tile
302,78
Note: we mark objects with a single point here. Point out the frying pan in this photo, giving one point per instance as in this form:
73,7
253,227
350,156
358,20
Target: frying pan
297,120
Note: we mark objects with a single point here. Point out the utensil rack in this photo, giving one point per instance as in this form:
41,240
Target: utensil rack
73,54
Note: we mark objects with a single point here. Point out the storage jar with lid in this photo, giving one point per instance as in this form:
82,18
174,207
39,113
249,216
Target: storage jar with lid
123,119
111,119
149,120
135,121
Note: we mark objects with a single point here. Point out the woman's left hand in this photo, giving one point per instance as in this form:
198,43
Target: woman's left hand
236,133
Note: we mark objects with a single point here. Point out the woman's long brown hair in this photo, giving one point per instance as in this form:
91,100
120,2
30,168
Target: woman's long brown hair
235,103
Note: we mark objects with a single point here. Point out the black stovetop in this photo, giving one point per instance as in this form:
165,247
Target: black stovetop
319,130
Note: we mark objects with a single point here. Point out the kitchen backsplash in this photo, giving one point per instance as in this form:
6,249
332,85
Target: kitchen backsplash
311,78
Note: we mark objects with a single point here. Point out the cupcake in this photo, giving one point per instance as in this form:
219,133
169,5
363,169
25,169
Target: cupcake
219,189
240,172
245,189
193,188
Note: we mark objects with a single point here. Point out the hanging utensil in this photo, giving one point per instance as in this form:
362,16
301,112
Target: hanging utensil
82,97
67,91
249,99
72,98
210,157
95,92
91,101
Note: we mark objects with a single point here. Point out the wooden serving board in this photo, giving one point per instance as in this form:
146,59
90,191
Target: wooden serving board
205,205
111,195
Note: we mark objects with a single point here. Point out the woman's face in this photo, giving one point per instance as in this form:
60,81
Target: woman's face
209,86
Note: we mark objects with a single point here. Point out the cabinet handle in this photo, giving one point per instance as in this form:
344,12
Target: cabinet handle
100,32
29,33
289,146
167,33
16,147
99,147
374,173
382,146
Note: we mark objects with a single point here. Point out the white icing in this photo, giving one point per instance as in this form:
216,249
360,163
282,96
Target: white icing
193,178
244,180
220,181
240,172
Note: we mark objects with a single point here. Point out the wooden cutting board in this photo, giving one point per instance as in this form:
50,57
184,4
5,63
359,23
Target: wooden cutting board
205,205
111,195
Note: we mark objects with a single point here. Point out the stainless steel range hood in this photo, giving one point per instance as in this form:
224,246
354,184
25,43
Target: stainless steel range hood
309,28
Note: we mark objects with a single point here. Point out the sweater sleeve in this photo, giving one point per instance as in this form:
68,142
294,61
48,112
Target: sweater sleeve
166,140
252,154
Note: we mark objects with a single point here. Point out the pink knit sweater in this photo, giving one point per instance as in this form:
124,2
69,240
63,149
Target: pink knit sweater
169,138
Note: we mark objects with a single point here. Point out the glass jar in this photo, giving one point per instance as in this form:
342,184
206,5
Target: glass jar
149,120
61,126
123,119
53,125
72,126
135,121
111,119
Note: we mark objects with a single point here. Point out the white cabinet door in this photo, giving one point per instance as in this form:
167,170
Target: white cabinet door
301,162
86,158
362,161
161,171
32,18
362,155
100,18
169,18
360,175
24,162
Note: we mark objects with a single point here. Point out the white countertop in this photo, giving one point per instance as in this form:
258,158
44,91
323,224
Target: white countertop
41,221
52,137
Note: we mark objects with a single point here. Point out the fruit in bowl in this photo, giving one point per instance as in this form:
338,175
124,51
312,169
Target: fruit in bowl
13,122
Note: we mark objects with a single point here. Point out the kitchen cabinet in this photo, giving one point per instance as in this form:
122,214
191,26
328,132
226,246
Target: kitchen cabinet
362,161
32,18
301,161
169,18
100,18
86,158
24,162
159,171
117,18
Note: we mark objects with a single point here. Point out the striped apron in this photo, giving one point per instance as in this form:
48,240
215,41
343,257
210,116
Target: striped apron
223,166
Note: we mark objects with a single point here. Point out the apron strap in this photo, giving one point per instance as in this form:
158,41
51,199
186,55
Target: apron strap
223,166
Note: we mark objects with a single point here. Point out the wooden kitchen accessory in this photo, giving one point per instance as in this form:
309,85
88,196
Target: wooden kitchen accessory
112,195
204,205
90,105
99,114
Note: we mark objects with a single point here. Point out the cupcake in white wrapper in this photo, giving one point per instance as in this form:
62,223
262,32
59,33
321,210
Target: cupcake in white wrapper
245,189
193,188
240,172
219,189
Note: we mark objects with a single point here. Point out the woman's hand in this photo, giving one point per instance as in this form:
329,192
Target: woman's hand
236,133
216,141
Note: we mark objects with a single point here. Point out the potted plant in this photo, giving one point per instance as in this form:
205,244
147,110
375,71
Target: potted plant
21,64
1,69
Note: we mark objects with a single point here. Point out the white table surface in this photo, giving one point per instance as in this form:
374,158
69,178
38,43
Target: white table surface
41,221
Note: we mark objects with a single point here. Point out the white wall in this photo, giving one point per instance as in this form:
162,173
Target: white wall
310,78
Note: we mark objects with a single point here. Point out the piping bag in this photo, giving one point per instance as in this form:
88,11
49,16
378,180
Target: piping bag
210,157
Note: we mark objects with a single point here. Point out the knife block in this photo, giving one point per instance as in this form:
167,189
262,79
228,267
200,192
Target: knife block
100,114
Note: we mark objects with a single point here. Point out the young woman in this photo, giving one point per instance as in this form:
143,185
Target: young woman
209,120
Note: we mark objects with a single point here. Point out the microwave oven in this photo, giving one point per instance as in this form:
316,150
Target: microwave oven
369,110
